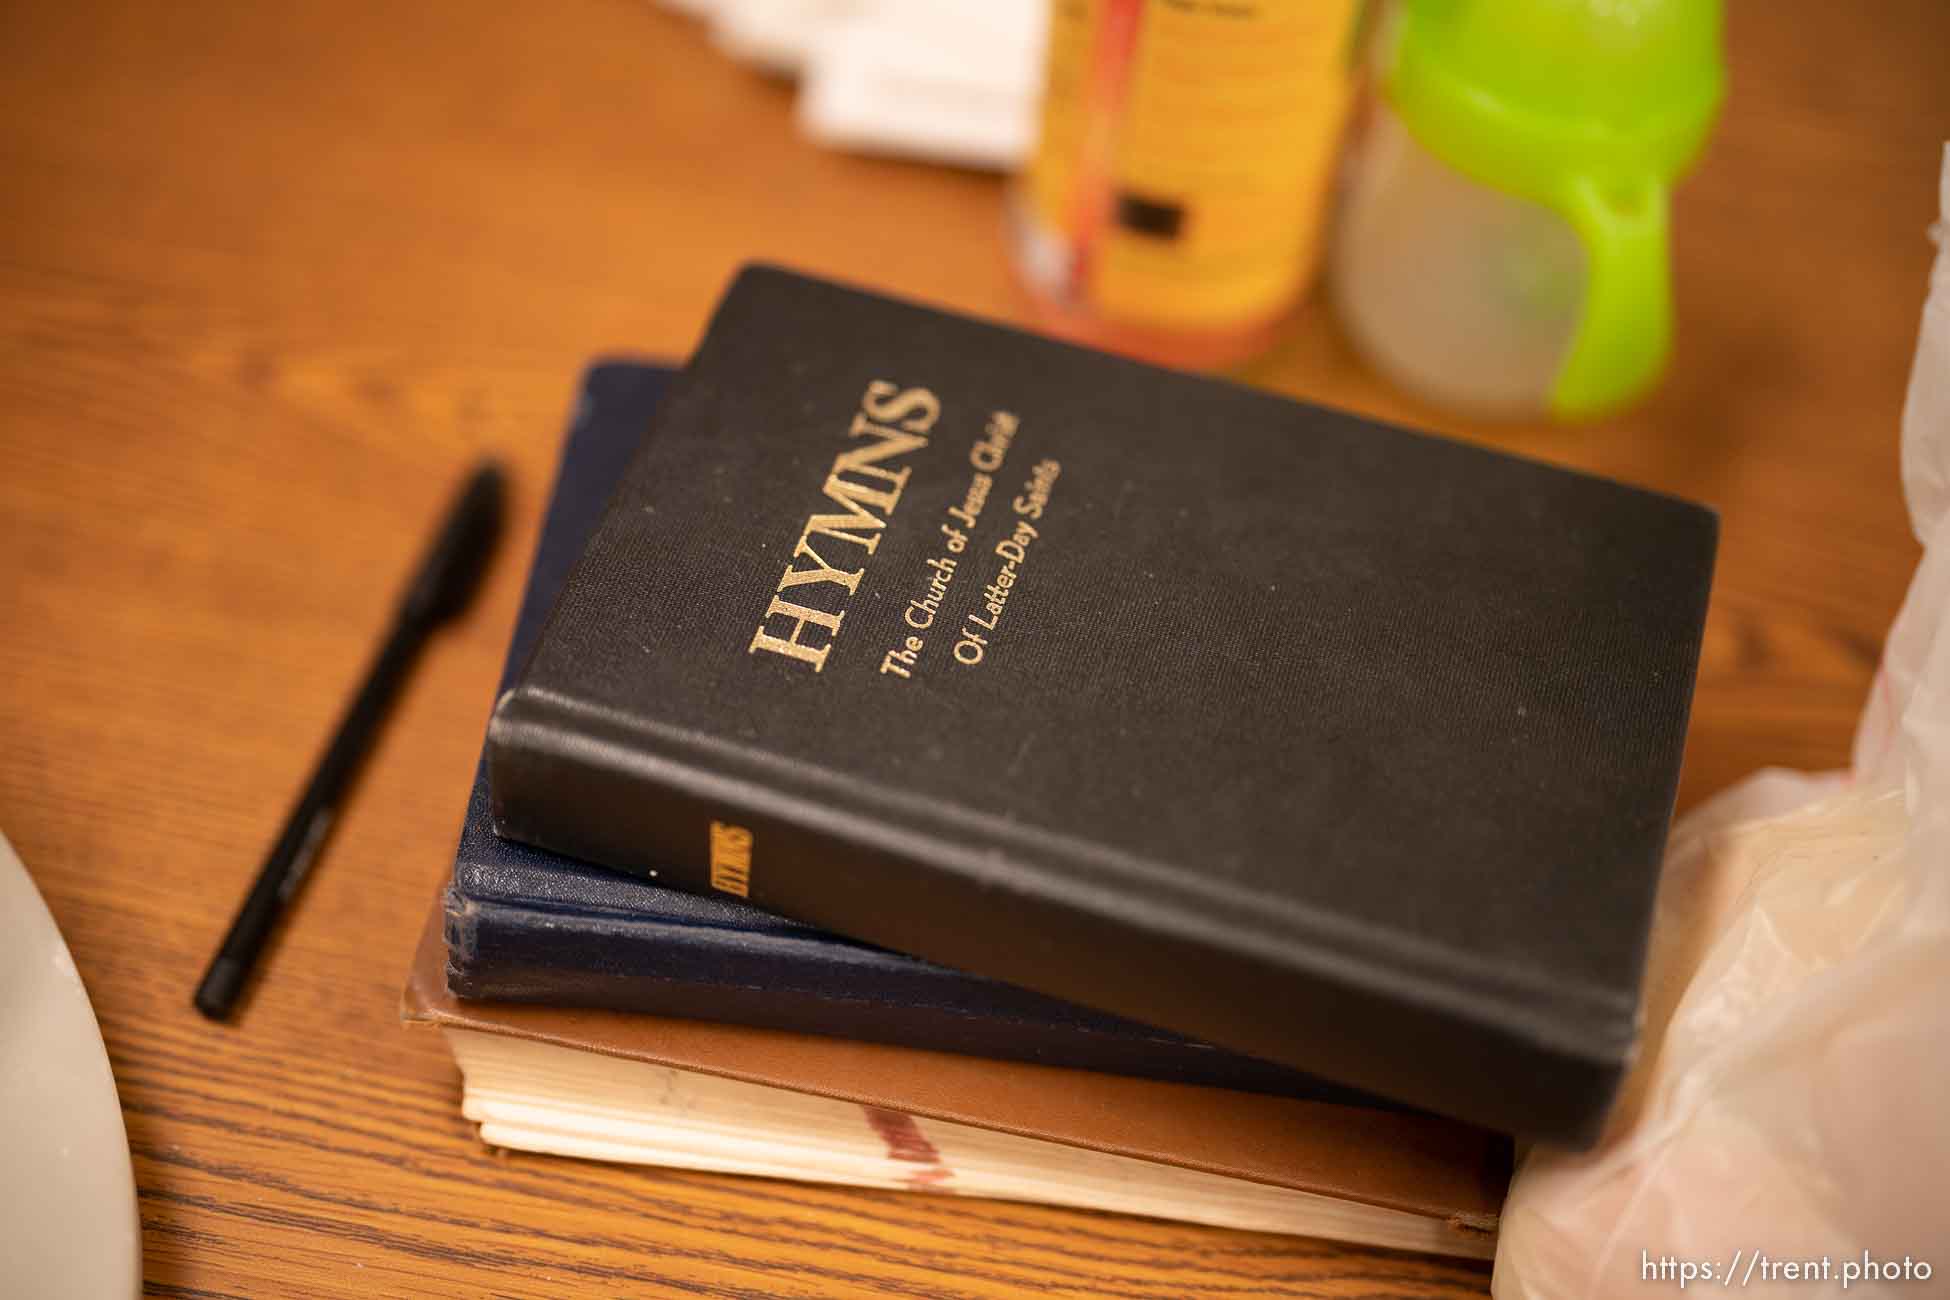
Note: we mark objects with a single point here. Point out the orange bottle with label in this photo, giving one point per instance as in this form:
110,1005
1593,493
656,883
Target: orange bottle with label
1175,205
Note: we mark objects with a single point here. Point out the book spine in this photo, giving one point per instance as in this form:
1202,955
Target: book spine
573,784
516,955
591,785
594,787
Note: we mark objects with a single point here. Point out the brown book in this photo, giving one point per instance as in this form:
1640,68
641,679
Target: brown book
817,1109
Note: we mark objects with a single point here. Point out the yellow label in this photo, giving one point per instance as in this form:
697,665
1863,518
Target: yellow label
1187,152
731,859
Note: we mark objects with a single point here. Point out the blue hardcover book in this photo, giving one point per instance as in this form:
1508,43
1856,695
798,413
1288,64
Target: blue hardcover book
526,925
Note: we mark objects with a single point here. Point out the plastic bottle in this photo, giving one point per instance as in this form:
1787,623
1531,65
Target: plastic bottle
1503,244
1176,201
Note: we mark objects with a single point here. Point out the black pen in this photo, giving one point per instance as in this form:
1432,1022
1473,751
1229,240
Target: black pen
441,589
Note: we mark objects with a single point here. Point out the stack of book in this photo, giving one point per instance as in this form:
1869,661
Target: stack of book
1021,659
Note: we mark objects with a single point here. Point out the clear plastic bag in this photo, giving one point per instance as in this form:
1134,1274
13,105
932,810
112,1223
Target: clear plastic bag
1787,1130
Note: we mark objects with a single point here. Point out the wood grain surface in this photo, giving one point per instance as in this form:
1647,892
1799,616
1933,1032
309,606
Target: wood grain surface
272,275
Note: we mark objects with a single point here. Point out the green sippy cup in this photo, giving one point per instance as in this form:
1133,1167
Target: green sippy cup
1503,245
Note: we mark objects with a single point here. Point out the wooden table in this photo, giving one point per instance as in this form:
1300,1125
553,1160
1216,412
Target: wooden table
272,275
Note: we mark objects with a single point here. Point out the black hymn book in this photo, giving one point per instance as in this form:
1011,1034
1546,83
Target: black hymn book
1342,746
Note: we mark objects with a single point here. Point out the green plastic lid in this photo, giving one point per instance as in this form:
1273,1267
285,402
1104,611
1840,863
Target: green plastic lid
1592,108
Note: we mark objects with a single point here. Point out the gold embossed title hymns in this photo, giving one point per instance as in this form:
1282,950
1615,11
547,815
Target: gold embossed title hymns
894,421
